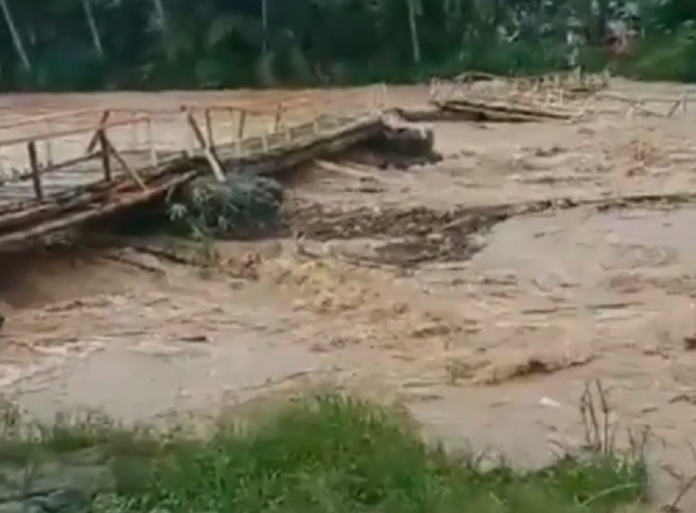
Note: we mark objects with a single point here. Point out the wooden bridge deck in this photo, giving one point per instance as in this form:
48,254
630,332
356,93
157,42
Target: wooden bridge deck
55,179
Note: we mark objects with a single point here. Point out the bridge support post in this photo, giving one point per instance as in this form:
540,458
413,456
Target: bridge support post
209,128
208,151
105,152
278,117
35,170
95,138
47,148
154,161
240,125
135,135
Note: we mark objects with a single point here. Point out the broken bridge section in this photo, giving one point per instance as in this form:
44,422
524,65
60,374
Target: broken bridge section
63,169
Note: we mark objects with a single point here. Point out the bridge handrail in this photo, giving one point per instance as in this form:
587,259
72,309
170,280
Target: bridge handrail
364,101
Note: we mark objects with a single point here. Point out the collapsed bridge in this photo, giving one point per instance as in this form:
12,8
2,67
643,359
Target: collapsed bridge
64,169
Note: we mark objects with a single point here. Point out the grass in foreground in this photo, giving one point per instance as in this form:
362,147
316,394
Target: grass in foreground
323,454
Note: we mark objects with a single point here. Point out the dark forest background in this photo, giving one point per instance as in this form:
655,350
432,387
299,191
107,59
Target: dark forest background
162,44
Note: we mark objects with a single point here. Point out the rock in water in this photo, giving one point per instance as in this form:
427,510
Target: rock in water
403,144
413,140
53,486
239,206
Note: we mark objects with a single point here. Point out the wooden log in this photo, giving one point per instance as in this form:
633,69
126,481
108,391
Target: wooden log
502,113
511,109
33,213
170,166
23,206
42,212
345,170
90,212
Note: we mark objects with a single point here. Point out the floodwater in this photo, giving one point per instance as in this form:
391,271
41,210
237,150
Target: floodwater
594,295
590,295
492,351
149,380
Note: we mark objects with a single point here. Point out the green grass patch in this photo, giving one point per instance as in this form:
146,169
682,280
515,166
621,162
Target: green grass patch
323,454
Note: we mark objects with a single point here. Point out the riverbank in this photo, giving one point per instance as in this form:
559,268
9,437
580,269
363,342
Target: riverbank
316,454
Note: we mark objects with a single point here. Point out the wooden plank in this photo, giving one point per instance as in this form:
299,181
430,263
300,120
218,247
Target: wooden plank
92,212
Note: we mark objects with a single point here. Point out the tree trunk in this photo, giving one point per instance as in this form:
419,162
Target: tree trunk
601,23
413,26
14,33
159,9
93,30
264,25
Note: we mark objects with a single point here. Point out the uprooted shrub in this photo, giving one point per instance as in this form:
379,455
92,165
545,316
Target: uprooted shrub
240,207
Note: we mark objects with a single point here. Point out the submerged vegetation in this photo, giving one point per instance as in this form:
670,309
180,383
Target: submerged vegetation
242,206
105,44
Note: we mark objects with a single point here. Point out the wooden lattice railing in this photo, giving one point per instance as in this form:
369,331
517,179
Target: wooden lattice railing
49,154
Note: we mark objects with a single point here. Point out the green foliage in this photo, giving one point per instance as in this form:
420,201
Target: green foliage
668,57
242,205
95,44
328,453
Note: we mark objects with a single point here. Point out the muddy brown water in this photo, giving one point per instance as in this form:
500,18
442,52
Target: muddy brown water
492,346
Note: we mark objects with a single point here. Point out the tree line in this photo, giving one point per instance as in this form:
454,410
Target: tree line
159,44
